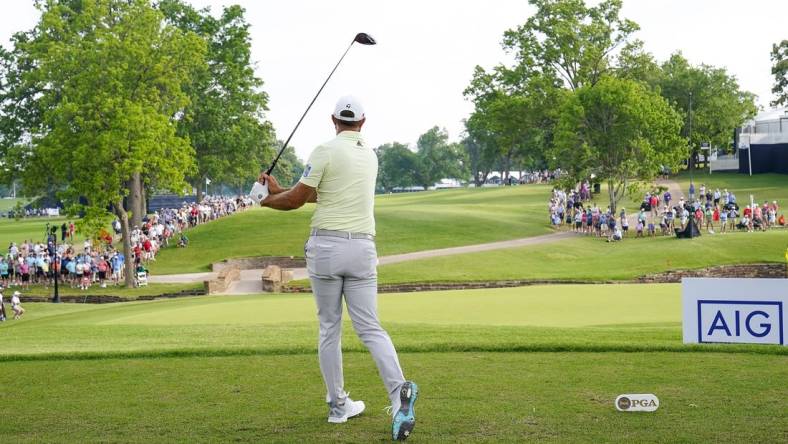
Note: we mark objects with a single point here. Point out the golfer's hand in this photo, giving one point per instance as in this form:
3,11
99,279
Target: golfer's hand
273,185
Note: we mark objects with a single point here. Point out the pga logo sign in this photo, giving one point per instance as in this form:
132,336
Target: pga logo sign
749,311
643,402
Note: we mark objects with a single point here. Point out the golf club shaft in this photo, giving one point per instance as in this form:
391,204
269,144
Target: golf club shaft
284,147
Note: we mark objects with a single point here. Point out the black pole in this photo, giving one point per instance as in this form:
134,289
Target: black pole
692,152
52,234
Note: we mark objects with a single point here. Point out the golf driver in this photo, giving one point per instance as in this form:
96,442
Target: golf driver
260,191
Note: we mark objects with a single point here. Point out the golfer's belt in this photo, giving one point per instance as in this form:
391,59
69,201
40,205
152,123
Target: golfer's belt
343,234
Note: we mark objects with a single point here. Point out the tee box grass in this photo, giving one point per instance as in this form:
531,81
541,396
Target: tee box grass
540,363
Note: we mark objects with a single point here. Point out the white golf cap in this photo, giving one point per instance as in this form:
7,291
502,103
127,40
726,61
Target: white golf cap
349,109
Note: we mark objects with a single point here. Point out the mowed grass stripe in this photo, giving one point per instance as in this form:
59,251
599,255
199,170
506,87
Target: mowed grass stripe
773,350
465,397
541,305
624,318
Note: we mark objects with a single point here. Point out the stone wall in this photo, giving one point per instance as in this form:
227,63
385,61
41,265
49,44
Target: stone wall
438,286
107,299
274,278
260,262
777,271
224,278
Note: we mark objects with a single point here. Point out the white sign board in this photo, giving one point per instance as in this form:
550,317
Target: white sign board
746,311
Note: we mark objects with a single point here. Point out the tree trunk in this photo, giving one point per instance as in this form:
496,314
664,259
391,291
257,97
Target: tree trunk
143,199
198,188
611,192
135,199
507,167
123,216
693,162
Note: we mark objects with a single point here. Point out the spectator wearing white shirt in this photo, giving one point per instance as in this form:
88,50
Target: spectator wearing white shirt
16,305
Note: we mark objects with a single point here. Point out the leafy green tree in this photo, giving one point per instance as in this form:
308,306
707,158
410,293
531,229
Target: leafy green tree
20,109
397,165
289,168
634,63
570,39
225,117
718,103
478,149
108,79
514,116
620,131
437,159
780,72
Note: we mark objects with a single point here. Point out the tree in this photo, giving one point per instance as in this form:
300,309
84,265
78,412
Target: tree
397,165
225,117
20,109
780,72
436,159
107,78
289,168
619,131
718,104
634,63
514,116
479,150
570,39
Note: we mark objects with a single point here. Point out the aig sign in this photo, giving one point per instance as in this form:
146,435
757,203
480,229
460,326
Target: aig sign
749,311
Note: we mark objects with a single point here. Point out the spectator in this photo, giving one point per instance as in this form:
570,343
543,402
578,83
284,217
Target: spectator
616,235
2,306
16,306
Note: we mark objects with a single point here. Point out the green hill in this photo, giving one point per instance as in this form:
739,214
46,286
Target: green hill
405,223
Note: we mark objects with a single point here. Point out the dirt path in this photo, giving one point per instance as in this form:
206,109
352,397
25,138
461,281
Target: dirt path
514,243
673,187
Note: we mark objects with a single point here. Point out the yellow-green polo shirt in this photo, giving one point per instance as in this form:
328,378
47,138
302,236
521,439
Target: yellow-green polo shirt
344,172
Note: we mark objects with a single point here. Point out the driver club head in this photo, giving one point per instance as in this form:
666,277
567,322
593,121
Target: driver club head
364,39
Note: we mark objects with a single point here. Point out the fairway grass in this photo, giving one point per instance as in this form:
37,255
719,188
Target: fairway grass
628,317
540,363
592,259
30,229
762,186
404,222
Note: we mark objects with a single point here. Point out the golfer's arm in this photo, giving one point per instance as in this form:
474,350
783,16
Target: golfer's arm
292,198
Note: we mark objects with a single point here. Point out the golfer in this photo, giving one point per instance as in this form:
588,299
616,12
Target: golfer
342,260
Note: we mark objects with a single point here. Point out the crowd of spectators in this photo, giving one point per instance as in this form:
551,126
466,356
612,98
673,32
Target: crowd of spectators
713,210
98,261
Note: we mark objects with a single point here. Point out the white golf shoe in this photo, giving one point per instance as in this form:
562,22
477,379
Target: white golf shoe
340,413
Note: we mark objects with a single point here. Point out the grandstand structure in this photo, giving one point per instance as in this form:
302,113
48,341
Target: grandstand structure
762,143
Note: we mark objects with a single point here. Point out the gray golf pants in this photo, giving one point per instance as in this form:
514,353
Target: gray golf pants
340,266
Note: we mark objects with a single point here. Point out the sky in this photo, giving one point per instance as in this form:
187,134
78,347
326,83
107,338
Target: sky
427,50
